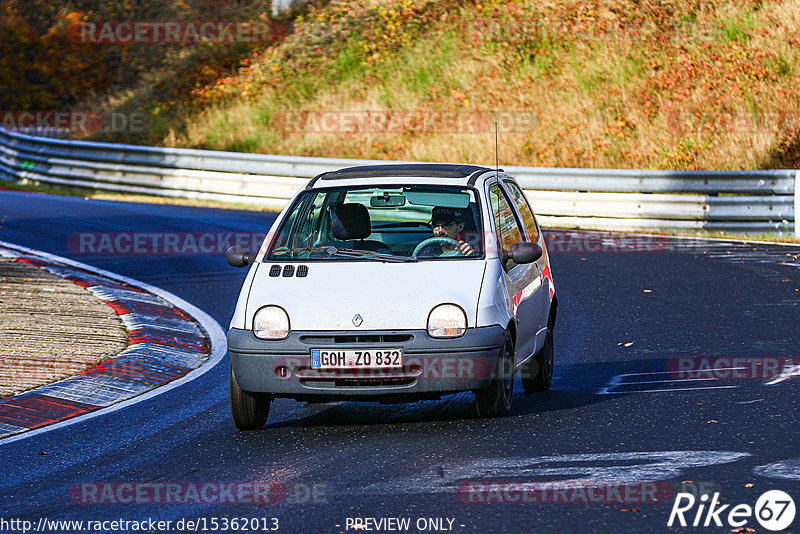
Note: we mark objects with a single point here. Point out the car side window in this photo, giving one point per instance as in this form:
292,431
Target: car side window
297,218
525,211
506,225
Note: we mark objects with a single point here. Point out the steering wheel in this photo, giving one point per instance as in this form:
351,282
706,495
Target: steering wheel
434,241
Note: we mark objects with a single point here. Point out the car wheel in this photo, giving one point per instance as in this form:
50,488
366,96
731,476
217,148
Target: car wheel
495,401
249,410
537,373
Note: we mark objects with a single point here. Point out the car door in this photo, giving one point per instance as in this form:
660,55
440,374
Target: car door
533,235
522,280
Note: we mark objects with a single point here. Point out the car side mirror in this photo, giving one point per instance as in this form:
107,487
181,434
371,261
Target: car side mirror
522,253
239,257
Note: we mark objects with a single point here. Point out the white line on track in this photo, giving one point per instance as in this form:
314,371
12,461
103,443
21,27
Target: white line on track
661,390
681,380
616,383
681,371
215,333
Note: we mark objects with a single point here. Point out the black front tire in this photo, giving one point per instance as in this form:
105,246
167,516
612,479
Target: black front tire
249,410
495,401
537,373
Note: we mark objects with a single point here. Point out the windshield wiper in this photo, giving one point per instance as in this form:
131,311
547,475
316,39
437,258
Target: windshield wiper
377,255
347,253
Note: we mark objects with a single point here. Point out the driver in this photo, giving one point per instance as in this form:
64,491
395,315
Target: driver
449,222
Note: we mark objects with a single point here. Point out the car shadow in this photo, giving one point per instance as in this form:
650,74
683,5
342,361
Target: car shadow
579,385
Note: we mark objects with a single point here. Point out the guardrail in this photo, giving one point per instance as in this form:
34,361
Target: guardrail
600,199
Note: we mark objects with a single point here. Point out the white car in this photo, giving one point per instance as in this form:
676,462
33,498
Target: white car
394,283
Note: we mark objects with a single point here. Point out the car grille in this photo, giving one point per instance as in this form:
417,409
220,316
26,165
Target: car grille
357,382
407,371
357,378
357,338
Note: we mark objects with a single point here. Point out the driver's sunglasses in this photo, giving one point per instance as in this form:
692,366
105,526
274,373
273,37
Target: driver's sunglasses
442,224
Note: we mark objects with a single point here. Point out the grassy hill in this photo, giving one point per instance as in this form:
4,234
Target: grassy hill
674,84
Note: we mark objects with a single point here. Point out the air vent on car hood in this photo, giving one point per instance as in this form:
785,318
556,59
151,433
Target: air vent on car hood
288,271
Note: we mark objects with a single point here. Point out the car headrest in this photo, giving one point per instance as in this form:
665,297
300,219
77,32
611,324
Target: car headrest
350,221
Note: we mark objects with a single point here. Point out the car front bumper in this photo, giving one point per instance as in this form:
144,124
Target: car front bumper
431,367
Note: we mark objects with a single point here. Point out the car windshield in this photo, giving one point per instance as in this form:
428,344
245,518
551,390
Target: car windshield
387,223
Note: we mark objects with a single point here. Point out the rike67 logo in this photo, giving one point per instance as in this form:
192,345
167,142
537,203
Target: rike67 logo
774,510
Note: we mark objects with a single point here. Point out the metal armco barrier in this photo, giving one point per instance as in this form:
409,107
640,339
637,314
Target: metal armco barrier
597,199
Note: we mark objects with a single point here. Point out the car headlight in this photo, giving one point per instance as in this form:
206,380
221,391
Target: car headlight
271,322
447,320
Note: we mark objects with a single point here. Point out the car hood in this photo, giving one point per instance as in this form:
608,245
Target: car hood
387,296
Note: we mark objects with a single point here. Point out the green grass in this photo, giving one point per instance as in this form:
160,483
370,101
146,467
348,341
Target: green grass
586,83
737,28
782,66
249,143
419,68
534,66
348,62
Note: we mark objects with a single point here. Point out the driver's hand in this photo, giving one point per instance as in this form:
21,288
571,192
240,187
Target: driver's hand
465,248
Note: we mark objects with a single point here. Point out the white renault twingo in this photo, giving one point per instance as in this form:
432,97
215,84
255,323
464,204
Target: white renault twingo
394,283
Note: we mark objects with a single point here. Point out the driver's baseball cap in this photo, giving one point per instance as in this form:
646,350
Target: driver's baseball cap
446,215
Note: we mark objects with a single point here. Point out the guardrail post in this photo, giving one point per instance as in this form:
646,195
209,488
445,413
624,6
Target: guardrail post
796,203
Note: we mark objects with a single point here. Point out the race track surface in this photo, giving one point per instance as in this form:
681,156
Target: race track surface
624,410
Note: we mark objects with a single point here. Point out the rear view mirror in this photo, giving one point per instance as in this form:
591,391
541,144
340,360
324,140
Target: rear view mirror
387,201
522,253
435,197
239,257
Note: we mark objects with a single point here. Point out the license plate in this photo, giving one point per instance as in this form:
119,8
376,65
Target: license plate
356,359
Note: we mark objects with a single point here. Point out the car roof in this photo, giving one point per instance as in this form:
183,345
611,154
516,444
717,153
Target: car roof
442,173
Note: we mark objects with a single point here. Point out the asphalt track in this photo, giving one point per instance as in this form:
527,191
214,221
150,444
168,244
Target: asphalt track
615,413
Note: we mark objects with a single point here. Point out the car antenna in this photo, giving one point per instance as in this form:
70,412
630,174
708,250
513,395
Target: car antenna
496,153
